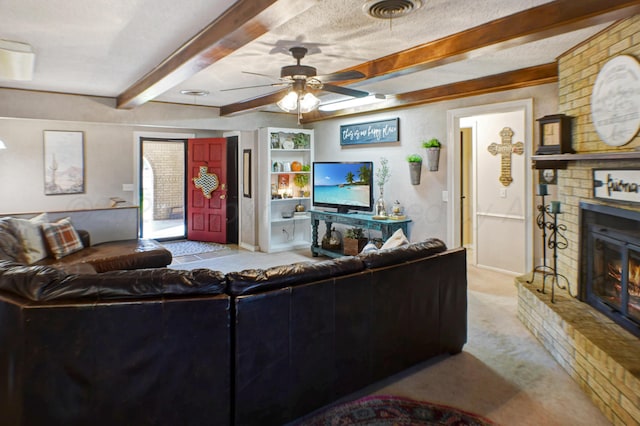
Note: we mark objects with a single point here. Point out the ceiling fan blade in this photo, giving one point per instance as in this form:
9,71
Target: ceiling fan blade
344,91
261,75
340,76
253,87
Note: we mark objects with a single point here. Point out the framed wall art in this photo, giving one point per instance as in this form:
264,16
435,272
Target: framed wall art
63,162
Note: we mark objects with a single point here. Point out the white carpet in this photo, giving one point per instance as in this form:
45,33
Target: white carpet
184,247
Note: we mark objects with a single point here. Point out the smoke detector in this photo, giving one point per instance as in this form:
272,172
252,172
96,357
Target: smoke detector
389,9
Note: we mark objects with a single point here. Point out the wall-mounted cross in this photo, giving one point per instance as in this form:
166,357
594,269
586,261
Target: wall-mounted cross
505,149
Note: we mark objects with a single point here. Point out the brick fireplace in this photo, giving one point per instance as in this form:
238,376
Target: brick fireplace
591,344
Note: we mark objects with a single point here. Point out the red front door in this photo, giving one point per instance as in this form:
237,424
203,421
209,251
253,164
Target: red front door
206,206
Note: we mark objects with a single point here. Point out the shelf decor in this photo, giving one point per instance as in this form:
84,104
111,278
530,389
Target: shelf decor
615,109
555,135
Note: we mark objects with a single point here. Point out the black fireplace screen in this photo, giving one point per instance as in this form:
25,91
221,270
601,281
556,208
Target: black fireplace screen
615,274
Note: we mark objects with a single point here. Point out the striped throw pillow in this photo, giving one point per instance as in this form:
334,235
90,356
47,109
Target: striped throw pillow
62,238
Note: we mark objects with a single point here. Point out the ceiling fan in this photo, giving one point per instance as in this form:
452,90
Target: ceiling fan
302,80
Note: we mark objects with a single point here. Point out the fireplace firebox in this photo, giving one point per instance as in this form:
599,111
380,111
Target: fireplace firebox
610,273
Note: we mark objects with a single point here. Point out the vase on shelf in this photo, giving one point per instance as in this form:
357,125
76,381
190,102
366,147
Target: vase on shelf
381,209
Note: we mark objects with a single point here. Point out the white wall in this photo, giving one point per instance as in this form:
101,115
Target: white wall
423,203
109,144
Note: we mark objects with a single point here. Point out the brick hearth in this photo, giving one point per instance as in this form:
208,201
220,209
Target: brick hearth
602,357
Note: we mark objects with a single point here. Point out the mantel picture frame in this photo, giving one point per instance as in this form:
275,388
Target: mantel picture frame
64,171
622,185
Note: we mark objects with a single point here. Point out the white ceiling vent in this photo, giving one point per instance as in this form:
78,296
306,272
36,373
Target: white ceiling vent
389,9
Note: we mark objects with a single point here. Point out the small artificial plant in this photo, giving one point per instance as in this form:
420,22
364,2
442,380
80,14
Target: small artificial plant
431,143
355,233
301,180
414,158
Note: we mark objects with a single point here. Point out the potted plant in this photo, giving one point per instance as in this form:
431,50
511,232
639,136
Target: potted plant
301,180
353,241
415,168
433,153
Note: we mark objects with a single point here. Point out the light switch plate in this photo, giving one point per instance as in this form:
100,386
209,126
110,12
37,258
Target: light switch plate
127,187
445,196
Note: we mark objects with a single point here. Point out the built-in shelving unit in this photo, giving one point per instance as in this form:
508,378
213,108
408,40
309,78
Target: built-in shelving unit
285,158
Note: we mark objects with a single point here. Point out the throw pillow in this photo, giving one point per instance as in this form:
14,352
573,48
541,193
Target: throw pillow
396,240
62,238
369,248
10,246
29,233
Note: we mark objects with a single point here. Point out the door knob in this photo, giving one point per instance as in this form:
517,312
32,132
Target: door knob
223,196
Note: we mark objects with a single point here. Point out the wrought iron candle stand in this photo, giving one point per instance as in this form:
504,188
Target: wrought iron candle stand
547,219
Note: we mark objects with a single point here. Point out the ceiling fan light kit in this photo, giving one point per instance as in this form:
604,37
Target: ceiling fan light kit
16,60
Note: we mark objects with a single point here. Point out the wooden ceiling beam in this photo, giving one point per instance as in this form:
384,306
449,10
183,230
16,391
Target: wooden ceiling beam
242,23
541,74
548,20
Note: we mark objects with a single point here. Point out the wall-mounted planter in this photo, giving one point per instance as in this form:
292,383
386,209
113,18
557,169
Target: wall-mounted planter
415,170
433,158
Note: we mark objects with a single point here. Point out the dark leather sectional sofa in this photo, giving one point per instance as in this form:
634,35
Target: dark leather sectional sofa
161,346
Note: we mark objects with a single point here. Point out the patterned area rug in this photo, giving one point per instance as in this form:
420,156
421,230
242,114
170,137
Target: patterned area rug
184,247
391,410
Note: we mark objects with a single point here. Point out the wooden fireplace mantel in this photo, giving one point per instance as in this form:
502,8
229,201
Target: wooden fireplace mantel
560,161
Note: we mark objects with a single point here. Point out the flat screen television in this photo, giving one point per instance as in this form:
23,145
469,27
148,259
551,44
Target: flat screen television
343,185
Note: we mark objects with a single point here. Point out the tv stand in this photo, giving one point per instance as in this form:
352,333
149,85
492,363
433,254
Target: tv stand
358,220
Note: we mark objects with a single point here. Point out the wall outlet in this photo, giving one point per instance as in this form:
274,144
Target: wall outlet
503,192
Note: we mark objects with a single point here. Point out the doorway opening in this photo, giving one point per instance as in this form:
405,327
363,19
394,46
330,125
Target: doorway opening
162,188
499,225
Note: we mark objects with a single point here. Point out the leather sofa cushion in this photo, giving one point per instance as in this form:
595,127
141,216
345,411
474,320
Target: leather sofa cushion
405,253
44,283
117,255
258,280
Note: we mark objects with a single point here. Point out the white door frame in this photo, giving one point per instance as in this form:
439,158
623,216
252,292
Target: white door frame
454,239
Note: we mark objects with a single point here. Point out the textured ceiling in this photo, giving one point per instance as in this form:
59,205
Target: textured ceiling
102,47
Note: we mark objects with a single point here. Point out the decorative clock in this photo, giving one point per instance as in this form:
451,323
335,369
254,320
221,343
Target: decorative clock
555,134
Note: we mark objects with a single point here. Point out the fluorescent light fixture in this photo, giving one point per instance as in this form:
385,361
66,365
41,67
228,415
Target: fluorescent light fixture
2,145
16,61
350,103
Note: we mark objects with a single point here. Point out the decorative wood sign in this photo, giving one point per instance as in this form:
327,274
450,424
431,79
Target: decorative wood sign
505,149
372,132
207,182
617,185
